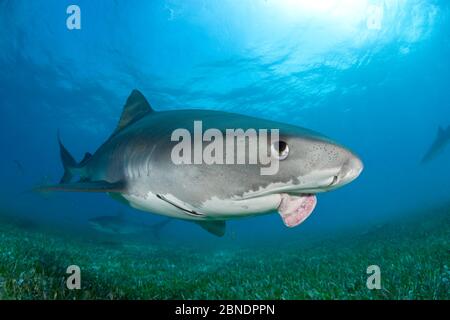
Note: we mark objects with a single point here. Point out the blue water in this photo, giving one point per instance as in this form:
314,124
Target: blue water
372,75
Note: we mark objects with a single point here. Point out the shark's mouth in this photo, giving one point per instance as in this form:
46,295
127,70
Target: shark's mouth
295,209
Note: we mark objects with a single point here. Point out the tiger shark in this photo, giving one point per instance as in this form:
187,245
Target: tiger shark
119,225
135,166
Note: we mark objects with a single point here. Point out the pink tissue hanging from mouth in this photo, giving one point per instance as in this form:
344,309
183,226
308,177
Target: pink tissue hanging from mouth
295,209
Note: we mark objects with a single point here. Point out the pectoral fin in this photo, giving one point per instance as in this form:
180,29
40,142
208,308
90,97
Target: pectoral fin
216,228
89,186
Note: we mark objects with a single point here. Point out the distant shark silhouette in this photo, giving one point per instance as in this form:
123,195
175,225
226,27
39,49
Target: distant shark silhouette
120,225
441,141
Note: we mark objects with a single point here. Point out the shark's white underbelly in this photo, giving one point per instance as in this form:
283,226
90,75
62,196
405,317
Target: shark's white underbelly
212,209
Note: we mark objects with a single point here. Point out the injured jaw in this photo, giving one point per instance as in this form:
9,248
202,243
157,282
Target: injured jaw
295,209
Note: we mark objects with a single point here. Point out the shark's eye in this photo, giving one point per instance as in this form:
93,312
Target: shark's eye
280,149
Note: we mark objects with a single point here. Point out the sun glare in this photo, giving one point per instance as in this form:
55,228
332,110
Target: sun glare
333,9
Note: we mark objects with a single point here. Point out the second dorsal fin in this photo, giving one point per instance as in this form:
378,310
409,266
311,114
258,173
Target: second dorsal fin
135,108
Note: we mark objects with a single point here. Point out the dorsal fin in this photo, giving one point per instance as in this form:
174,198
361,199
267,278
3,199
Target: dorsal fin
135,108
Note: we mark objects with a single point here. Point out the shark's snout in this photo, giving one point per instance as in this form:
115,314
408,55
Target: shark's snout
351,169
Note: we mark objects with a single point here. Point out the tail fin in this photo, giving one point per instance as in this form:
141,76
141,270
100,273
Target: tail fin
69,163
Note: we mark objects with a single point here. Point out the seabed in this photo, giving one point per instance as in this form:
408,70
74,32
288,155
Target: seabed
413,255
